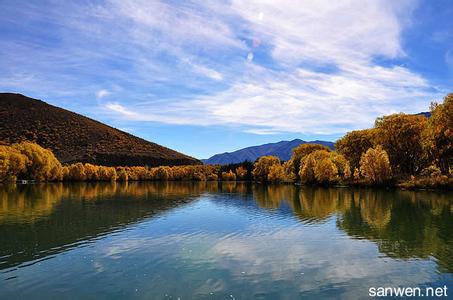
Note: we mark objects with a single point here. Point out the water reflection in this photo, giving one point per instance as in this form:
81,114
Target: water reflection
41,220
37,221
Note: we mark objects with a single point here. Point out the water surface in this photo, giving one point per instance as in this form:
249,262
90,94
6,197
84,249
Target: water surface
219,241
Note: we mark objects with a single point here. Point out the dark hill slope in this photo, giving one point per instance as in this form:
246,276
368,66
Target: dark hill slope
75,138
282,149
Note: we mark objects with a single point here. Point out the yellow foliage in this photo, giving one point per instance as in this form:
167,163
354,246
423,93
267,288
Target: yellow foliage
228,176
241,172
276,173
42,164
262,167
12,163
375,166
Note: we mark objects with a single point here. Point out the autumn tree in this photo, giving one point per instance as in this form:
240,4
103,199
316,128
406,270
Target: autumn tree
122,174
401,137
354,144
42,164
12,163
91,173
241,173
325,171
263,166
228,176
276,173
302,151
438,134
375,166
77,172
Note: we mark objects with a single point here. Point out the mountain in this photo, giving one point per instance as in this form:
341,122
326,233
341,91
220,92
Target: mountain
282,149
425,113
75,138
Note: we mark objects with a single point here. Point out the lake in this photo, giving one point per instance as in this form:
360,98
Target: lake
219,241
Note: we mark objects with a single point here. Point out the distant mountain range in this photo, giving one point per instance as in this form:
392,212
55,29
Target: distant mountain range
75,138
282,149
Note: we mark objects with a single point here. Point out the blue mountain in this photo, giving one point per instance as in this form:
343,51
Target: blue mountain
282,149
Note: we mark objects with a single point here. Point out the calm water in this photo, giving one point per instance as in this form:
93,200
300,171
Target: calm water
213,241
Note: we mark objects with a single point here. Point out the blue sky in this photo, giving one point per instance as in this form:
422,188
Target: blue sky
206,77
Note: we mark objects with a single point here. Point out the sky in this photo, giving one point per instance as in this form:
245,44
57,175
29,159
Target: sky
206,77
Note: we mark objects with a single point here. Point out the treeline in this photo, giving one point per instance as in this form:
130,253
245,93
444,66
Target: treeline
408,150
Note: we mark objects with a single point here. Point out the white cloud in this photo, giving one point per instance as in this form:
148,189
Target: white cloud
266,67
120,109
345,36
102,93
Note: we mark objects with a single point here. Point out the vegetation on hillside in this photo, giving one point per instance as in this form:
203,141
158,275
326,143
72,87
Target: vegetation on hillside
75,138
407,150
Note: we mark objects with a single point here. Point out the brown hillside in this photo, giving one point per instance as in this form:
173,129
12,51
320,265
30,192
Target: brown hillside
75,138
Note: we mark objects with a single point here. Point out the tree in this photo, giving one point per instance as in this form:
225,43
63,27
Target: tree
438,134
42,164
122,175
241,172
276,173
375,166
354,144
90,172
12,163
77,172
263,166
300,152
325,171
342,165
228,176
161,173
401,137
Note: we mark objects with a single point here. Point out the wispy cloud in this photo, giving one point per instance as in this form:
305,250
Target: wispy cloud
102,93
263,66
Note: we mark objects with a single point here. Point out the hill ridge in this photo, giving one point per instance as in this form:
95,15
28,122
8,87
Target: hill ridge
77,138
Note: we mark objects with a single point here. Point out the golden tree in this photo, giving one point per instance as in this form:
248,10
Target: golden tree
438,135
354,144
77,172
262,167
241,173
401,137
375,166
276,173
325,171
228,176
12,163
300,152
42,163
